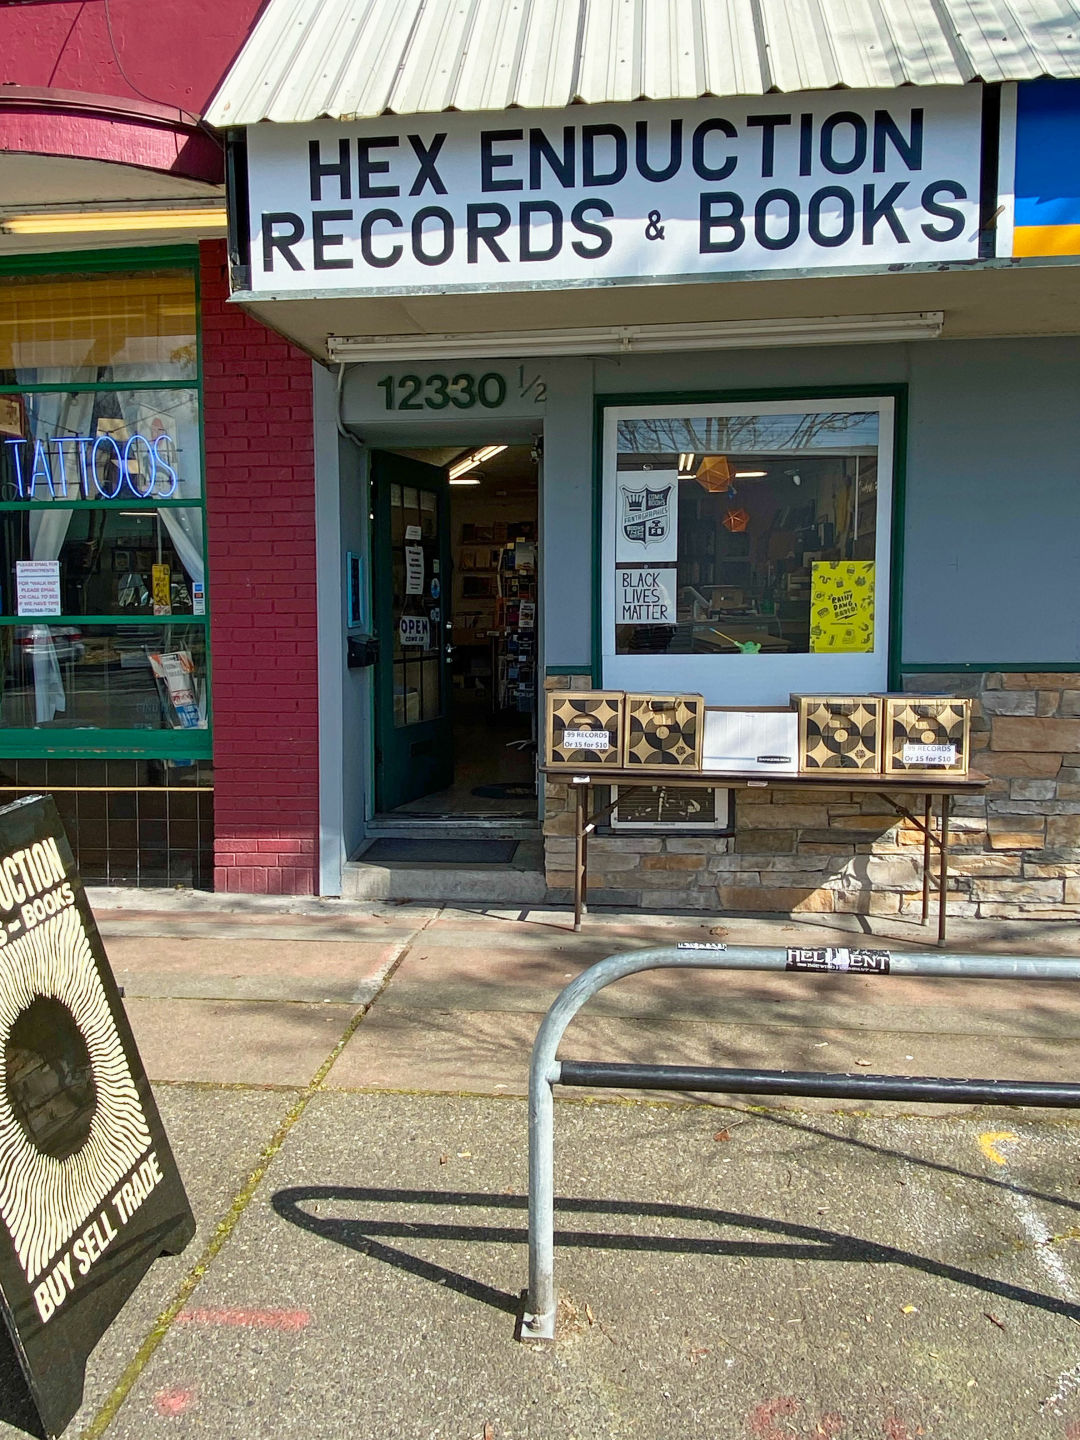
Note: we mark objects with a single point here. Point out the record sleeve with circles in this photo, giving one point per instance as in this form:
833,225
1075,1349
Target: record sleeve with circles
839,732
584,730
663,732
926,734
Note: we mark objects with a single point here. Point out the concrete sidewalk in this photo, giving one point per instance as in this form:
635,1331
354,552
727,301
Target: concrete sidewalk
342,1086
256,997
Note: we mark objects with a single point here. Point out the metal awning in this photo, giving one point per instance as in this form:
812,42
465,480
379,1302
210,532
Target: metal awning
351,59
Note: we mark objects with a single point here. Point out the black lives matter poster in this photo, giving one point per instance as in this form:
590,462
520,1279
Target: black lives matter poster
89,1191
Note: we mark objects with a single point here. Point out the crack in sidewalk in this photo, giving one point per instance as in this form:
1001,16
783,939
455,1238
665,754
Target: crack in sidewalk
241,1200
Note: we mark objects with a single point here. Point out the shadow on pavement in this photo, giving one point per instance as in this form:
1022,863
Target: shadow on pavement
791,1241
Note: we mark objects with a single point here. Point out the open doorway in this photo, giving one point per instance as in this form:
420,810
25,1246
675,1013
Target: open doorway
473,604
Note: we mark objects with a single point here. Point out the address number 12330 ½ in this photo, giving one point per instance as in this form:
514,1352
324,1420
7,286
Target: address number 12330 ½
437,392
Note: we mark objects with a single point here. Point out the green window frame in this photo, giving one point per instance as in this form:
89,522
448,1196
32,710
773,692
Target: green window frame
127,743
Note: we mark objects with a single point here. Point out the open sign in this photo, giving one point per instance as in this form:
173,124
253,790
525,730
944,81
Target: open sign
415,630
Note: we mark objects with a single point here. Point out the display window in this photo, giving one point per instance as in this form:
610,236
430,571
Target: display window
103,597
745,547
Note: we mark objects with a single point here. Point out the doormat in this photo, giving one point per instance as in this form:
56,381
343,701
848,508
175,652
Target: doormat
440,852
508,791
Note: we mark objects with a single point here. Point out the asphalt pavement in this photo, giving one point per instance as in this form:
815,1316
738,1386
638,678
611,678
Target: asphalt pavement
343,1087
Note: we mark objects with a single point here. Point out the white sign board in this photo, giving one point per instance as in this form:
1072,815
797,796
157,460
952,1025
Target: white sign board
672,190
415,630
647,516
645,596
586,740
414,570
37,587
917,754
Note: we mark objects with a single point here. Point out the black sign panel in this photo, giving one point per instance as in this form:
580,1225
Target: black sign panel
89,1191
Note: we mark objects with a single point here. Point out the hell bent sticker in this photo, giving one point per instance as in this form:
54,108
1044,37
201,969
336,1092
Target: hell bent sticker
865,962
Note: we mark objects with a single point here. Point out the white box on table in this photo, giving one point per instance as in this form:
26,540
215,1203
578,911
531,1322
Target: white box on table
751,742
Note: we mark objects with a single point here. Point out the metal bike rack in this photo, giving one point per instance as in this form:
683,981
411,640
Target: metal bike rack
546,1072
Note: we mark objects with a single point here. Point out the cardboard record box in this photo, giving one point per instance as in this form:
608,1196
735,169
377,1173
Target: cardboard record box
751,742
584,730
663,732
926,733
839,732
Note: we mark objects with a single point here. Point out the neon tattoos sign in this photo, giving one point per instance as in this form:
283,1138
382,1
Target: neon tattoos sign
95,467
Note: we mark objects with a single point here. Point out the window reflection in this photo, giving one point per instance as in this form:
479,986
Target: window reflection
746,533
139,677
112,562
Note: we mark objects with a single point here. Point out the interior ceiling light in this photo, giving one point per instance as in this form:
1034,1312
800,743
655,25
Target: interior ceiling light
750,474
72,222
466,480
686,462
640,339
470,462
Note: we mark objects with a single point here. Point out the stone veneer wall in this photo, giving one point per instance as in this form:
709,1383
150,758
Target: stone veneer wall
1015,850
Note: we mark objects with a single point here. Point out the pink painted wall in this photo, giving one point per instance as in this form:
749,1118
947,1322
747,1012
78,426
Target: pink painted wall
60,63
174,52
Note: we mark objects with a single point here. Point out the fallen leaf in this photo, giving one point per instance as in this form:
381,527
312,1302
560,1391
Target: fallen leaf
464,1154
697,1353
718,930
444,1159
908,1310
589,1314
489,1430
722,1135
862,1062
993,1320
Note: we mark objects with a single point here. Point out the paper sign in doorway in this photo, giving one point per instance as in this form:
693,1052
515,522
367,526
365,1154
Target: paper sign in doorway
414,570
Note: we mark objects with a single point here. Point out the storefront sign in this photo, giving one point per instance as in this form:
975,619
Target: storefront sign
615,193
436,393
37,587
415,630
1041,188
645,597
89,467
89,1191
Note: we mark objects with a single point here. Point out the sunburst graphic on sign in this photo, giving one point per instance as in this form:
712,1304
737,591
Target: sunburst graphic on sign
71,1124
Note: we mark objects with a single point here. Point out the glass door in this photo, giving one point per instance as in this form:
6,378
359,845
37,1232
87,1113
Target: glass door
412,619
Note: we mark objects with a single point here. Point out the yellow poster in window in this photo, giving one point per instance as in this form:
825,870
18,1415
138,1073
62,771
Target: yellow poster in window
841,607
162,583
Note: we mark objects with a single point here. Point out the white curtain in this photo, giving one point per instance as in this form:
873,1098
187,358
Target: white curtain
175,412
57,415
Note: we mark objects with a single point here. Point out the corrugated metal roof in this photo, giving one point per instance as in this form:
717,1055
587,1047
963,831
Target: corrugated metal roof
347,59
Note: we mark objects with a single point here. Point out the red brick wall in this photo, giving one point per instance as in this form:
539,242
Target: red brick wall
260,492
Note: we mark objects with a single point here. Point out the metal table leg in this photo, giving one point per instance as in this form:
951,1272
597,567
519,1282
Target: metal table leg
581,826
943,871
928,815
